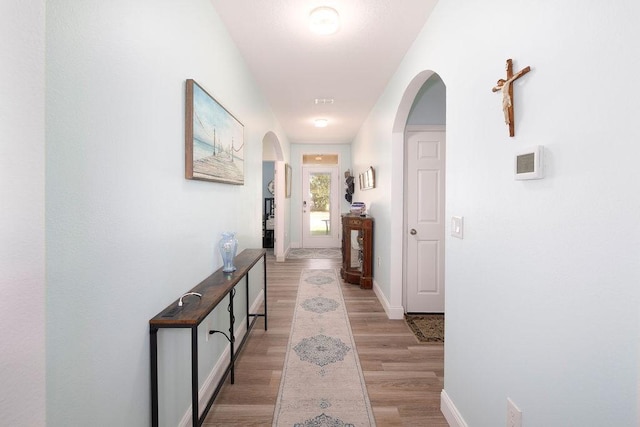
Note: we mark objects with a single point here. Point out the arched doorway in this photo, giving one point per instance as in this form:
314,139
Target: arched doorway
272,152
418,89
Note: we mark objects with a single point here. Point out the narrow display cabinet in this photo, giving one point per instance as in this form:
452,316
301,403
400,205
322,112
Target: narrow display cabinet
357,250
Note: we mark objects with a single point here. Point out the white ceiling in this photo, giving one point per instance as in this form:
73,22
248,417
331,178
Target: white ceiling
293,66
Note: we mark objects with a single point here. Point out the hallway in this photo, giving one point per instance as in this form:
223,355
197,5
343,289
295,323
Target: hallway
404,378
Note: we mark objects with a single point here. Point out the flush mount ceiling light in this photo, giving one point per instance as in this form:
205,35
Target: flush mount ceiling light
324,20
321,123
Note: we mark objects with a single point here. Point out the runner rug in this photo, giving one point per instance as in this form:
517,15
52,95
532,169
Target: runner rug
322,382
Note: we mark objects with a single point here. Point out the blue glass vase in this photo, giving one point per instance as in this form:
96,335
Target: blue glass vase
228,246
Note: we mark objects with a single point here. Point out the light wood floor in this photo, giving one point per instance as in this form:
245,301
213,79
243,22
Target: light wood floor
404,378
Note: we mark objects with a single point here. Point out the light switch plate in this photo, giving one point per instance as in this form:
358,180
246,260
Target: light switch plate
457,226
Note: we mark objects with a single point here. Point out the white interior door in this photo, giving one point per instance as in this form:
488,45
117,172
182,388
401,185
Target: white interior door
425,202
320,207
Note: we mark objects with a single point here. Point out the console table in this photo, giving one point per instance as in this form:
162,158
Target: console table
357,250
193,311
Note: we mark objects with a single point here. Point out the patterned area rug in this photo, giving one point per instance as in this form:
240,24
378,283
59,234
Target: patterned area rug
426,327
322,382
322,253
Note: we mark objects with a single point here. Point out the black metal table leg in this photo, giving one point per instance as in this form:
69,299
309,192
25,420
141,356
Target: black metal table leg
264,257
194,376
247,300
232,338
153,345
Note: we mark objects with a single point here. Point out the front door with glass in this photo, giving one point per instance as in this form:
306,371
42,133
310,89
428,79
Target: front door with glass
320,207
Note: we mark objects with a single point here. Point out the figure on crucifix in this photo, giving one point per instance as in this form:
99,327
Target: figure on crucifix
506,87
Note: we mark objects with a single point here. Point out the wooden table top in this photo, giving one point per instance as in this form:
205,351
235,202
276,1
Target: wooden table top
213,289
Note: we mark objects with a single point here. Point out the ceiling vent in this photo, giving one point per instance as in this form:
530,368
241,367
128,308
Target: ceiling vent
323,101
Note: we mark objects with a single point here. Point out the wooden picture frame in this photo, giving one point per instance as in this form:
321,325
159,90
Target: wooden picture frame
214,139
287,180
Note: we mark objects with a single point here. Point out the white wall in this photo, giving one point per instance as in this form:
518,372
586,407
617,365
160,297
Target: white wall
126,233
22,336
542,294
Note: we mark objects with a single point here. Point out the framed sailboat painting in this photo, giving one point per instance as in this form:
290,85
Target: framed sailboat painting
214,139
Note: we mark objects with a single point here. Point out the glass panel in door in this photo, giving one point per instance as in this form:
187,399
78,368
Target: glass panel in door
320,195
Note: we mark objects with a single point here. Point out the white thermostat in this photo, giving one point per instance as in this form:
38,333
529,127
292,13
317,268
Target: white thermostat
528,163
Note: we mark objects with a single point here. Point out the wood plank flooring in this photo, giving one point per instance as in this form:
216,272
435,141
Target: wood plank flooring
404,378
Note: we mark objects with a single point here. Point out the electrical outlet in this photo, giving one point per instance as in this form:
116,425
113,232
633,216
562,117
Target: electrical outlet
514,414
378,262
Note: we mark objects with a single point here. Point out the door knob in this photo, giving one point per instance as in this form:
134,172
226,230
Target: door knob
413,232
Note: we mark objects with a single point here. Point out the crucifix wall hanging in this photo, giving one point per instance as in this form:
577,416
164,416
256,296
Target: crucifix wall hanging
505,86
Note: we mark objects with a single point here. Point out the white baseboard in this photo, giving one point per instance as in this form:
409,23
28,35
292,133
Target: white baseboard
450,412
209,385
394,313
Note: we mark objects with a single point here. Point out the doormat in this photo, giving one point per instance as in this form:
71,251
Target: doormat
321,253
322,382
426,327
